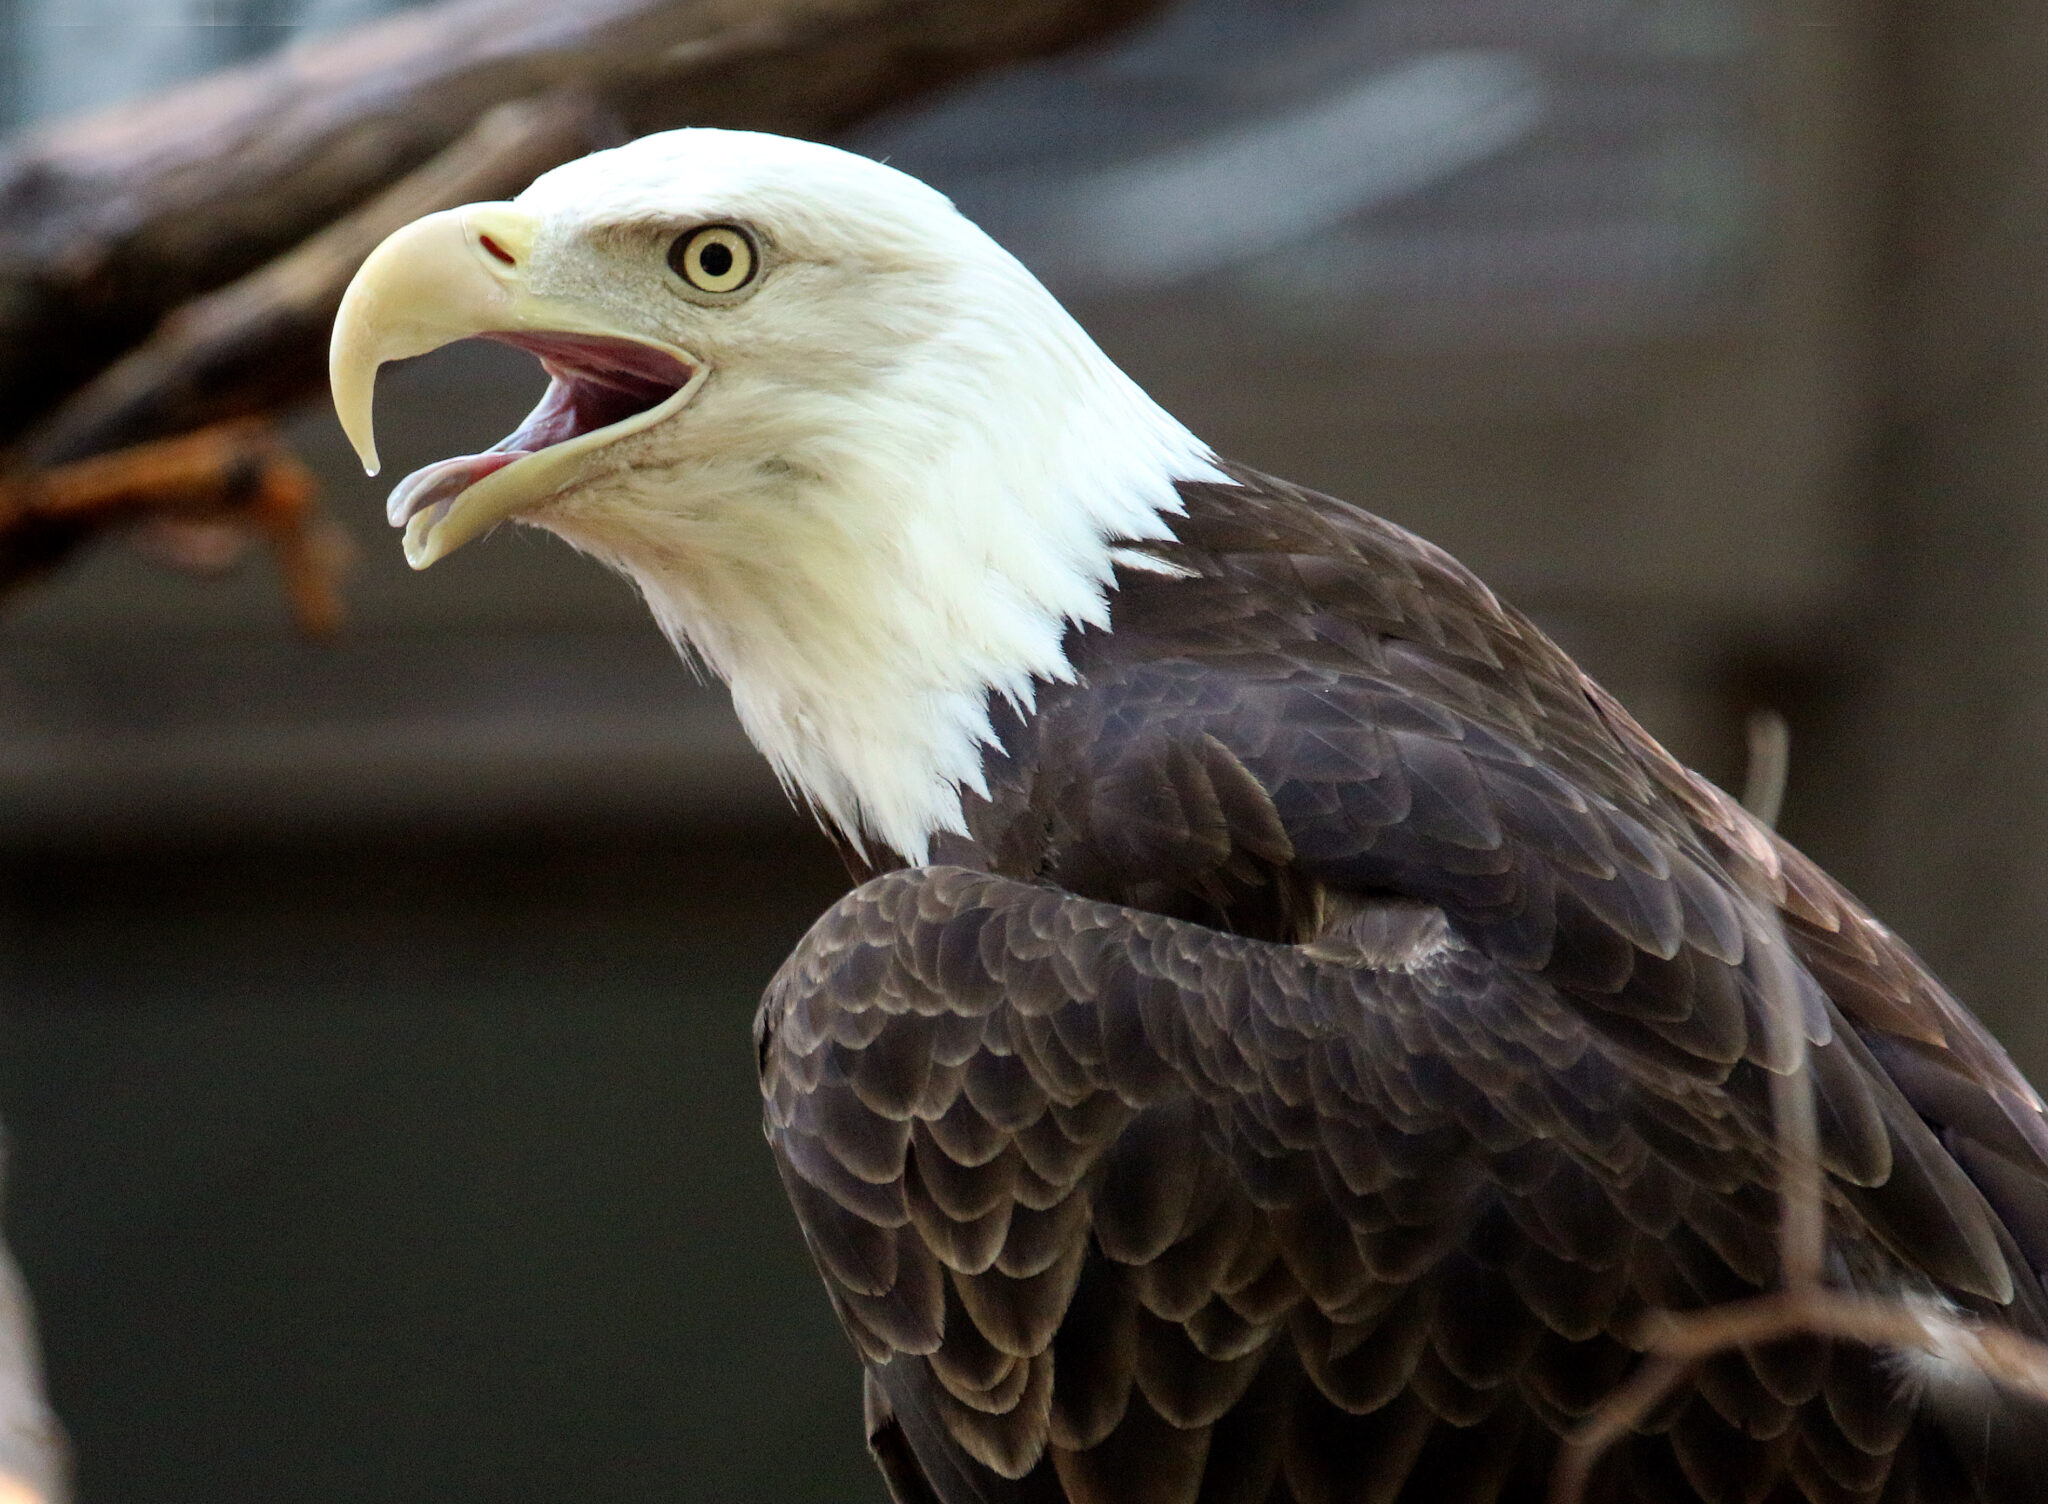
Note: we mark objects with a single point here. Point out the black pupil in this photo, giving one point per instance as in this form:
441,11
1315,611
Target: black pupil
716,259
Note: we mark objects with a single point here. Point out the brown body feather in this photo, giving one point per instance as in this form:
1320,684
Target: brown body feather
1342,1023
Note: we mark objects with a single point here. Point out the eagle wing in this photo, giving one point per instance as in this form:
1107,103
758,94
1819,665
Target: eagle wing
1328,692
1120,1208
1365,1201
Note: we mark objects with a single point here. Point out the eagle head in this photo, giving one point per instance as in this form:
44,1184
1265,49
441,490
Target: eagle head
856,458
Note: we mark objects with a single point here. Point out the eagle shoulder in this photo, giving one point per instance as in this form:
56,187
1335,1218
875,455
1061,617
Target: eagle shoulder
1356,1019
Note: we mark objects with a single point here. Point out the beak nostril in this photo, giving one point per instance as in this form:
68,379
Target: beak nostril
498,251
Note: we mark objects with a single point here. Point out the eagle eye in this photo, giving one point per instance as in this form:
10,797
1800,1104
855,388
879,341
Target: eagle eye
715,258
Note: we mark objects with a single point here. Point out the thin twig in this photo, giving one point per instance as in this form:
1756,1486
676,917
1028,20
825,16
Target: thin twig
1675,1343
1872,1321
1802,1208
1678,1342
1671,1359
1802,1203
111,221
1770,760
1655,1379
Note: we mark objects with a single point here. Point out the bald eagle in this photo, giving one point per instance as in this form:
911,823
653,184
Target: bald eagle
1291,1024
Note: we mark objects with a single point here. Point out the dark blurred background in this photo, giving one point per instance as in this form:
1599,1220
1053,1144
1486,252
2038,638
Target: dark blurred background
376,1053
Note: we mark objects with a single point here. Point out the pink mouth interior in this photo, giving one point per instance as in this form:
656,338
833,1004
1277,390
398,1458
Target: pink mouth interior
595,382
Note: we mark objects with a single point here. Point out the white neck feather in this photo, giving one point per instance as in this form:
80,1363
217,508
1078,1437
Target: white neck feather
866,561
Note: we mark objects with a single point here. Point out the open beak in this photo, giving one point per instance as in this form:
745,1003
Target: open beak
461,274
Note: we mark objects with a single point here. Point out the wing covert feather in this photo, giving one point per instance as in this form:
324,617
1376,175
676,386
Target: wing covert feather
1168,1170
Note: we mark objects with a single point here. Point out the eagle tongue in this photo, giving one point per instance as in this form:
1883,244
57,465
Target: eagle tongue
443,481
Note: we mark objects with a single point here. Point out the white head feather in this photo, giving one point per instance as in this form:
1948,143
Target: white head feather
907,473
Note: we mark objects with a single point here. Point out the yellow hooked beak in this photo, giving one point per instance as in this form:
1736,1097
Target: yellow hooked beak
452,276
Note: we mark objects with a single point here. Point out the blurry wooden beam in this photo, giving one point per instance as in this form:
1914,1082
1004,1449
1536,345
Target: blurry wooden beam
1950,734
108,222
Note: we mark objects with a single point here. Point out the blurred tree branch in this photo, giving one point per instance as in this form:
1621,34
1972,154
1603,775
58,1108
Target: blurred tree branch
247,347
202,493
174,262
110,222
